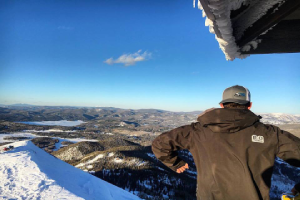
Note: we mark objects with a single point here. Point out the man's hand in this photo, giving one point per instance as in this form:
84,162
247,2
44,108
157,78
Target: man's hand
182,169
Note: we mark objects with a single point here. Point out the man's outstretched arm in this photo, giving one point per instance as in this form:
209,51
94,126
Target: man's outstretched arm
288,147
166,145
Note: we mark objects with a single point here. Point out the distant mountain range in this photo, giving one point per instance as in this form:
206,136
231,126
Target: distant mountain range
26,112
280,118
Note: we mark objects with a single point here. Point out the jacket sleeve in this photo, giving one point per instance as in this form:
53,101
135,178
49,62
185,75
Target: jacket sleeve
166,145
288,147
297,187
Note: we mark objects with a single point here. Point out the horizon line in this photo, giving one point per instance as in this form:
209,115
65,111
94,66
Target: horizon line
29,105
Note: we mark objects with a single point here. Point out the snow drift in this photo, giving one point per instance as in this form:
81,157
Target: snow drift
28,172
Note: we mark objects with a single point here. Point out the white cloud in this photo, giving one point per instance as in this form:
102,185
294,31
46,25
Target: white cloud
109,61
130,59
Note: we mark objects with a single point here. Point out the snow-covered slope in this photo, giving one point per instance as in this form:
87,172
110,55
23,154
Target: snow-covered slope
28,172
279,118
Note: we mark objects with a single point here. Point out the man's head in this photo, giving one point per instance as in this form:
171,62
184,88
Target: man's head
236,97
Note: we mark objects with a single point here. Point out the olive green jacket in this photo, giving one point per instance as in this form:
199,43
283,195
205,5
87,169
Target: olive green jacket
233,152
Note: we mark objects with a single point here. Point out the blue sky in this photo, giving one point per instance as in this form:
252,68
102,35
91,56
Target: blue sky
130,54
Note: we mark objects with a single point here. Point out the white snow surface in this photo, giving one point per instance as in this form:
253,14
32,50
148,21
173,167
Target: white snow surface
90,161
111,154
253,44
28,172
55,123
51,130
118,160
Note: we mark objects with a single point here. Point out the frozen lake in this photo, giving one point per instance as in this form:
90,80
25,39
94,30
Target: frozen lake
55,123
29,135
18,134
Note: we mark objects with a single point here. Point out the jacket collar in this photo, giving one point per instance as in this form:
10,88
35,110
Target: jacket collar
225,120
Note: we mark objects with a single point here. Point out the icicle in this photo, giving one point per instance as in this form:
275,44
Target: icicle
208,22
199,5
211,30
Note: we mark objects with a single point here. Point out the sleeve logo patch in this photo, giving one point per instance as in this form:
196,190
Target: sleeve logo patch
257,138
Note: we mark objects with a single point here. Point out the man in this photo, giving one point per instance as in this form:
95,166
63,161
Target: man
233,151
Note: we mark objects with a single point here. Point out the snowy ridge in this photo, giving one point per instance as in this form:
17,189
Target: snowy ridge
279,118
28,172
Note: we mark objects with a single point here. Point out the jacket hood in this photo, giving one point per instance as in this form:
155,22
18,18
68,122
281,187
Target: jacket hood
223,120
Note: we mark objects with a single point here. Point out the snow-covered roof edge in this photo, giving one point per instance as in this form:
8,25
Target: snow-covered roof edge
217,13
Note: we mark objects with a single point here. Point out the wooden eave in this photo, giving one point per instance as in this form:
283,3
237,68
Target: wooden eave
283,38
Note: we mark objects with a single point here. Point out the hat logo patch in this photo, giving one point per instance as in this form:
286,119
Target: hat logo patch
239,94
258,138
